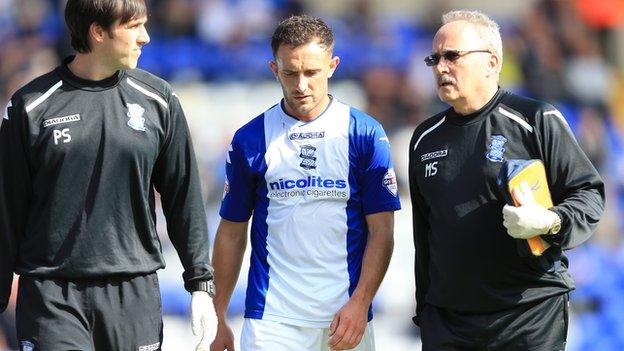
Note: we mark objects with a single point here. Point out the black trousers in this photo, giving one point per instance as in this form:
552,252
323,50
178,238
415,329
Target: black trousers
116,313
537,326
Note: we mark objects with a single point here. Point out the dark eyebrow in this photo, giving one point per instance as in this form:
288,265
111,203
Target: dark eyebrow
137,20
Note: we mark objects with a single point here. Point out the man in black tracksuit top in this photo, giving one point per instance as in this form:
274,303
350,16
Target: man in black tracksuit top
82,149
477,285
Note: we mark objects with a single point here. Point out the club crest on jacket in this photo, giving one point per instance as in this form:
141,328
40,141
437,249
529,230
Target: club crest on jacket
135,113
496,151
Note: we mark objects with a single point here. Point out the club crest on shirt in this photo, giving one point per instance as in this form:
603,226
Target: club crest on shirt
308,157
27,346
135,113
496,151
390,182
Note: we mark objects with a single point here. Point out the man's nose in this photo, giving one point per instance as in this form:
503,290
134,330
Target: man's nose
302,83
144,37
442,66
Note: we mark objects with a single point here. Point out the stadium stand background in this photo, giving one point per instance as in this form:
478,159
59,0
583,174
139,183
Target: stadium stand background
215,53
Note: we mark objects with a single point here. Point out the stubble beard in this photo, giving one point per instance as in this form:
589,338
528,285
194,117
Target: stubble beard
297,107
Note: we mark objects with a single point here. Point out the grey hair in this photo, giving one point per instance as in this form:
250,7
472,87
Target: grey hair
487,28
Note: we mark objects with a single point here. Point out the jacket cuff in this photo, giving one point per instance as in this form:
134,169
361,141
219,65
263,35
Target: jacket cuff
194,274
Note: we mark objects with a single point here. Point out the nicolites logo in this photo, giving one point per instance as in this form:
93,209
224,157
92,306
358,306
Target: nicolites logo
311,181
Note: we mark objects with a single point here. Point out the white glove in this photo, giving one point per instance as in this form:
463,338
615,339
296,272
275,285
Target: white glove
529,219
203,319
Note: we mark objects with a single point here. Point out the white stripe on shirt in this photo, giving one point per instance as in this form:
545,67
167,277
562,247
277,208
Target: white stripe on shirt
147,92
516,118
429,131
6,110
43,97
557,114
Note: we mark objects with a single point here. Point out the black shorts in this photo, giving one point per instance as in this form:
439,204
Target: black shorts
117,313
537,326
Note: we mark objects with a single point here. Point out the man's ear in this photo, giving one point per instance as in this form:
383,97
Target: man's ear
333,64
274,68
97,32
493,65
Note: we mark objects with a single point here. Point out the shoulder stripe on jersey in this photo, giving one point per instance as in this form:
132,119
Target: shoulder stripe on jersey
6,110
43,97
147,92
557,114
227,157
516,118
429,131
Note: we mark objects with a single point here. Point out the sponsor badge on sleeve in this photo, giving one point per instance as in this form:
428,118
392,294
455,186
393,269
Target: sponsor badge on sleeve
390,182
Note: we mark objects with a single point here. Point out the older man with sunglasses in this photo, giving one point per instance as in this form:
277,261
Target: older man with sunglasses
478,286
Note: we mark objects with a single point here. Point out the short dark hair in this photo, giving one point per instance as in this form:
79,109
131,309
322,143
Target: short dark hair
300,30
80,14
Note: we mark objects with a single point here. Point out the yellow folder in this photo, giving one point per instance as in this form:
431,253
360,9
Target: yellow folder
534,173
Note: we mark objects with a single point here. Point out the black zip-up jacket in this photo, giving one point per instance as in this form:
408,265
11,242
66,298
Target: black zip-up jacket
465,260
79,162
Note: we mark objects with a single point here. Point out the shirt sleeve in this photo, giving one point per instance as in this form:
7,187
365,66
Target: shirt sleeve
15,194
421,232
239,190
378,179
576,187
176,178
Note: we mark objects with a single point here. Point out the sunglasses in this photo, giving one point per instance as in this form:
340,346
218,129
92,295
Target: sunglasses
449,56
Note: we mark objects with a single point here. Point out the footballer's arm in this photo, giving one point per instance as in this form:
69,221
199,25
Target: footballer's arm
229,248
350,322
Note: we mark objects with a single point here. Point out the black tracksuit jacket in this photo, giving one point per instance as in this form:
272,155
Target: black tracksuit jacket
79,162
465,260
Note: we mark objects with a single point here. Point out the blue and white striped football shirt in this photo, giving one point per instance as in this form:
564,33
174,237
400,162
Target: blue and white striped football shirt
309,186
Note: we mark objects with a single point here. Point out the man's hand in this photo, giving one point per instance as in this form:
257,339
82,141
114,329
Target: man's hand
529,219
348,326
224,339
229,247
203,319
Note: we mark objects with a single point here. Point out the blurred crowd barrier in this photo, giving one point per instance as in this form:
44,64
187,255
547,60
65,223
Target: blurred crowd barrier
216,53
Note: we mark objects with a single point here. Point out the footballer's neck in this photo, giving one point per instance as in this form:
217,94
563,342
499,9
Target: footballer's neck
88,66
